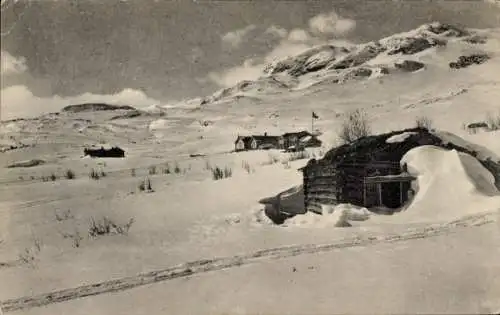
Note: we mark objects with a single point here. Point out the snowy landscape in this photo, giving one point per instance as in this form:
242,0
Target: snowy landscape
180,225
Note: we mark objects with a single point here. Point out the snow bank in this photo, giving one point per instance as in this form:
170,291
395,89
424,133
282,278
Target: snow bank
450,185
332,216
400,137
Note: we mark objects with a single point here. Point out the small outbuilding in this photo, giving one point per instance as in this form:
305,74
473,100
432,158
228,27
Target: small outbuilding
257,142
300,139
368,171
113,152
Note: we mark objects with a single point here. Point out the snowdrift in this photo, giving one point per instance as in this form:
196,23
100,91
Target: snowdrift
450,184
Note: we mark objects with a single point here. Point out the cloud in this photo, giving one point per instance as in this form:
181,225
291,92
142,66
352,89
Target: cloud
276,31
235,38
249,70
11,64
298,35
18,101
331,23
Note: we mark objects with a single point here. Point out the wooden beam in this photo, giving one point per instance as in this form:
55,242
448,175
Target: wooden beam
379,188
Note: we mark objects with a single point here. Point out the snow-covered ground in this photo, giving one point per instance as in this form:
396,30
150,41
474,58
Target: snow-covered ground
189,217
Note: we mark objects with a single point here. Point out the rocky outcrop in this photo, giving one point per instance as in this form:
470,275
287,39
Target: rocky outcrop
466,61
91,107
410,46
409,65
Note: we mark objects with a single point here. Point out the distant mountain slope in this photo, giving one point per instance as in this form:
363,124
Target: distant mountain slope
339,64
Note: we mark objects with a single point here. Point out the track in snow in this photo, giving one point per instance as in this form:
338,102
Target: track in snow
207,265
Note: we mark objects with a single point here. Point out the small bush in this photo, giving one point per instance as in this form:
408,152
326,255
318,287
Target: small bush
69,174
53,177
145,185
355,126
94,174
66,215
493,121
152,170
219,173
166,169
75,237
132,172
246,166
177,169
424,122
105,226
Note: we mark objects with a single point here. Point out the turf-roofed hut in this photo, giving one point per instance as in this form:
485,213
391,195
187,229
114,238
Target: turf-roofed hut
368,172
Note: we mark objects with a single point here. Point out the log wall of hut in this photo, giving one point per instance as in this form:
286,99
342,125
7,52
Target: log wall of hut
344,183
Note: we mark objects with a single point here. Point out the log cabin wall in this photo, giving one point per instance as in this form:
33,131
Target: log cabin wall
342,183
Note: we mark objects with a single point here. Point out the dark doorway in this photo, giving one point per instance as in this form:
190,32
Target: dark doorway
391,195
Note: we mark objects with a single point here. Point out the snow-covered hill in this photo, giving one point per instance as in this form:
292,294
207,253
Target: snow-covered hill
188,216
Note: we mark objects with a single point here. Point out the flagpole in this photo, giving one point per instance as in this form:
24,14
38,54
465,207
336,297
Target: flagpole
312,122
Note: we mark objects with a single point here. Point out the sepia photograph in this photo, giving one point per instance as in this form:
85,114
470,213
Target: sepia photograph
241,157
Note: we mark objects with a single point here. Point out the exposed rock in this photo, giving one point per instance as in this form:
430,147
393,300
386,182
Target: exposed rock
358,57
409,65
410,46
446,29
476,39
90,107
481,124
465,61
29,163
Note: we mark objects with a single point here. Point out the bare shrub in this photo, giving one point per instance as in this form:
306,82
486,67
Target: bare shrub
106,226
132,172
355,126
424,122
29,255
94,174
152,170
246,166
208,166
75,238
145,185
66,215
166,169
69,174
177,169
219,173
287,165
493,121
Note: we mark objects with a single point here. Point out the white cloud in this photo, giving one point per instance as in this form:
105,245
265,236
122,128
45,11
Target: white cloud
298,35
235,38
19,101
276,31
331,23
249,70
11,64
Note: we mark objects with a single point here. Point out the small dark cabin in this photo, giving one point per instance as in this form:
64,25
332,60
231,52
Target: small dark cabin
367,172
114,152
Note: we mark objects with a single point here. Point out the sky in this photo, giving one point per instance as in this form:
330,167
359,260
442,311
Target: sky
146,51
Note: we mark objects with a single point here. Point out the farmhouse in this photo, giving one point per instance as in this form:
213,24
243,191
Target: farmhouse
255,142
301,139
367,172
